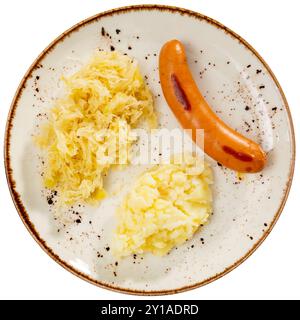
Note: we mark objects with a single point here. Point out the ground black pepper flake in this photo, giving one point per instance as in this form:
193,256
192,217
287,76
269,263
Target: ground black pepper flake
118,31
274,109
78,221
112,48
247,108
103,31
50,201
107,248
261,87
115,274
116,263
249,66
258,71
228,62
37,89
219,164
129,48
265,224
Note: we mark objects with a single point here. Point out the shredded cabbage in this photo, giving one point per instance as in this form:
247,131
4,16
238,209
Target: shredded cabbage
107,93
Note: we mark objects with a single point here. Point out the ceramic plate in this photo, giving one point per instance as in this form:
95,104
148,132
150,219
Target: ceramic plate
242,90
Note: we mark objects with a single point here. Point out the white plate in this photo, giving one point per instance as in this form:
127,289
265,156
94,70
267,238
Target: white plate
232,76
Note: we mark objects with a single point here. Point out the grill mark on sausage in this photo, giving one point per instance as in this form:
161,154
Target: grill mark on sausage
180,94
238,155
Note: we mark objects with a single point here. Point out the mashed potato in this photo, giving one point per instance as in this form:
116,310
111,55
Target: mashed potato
165,208
107,93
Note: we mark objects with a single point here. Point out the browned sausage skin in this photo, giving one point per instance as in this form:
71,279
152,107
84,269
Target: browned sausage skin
221,142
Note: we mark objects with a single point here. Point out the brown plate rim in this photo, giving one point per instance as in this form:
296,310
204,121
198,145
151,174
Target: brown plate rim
17,199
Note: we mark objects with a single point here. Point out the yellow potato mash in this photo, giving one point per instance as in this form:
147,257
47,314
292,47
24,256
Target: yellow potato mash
108,93
166,206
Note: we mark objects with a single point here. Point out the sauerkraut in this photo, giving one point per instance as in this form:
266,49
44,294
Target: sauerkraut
103,101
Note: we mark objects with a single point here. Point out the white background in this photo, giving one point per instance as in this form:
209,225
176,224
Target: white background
272,27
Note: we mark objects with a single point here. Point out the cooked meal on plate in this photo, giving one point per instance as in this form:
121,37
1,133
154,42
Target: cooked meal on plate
89,133
149,159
